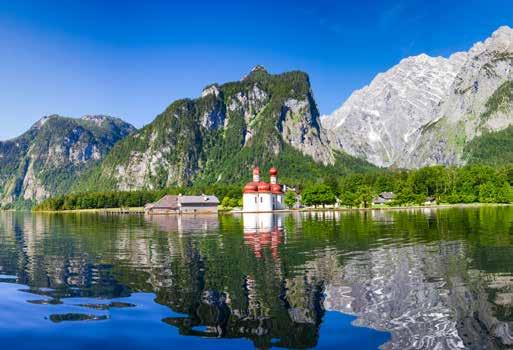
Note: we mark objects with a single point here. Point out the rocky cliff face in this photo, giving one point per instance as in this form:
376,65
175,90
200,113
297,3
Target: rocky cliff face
477,103
381,121
265,119
424,110
46,159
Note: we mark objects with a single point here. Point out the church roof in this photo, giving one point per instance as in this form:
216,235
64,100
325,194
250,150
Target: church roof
262,186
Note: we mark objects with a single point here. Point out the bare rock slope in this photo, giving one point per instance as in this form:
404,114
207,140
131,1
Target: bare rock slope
425,109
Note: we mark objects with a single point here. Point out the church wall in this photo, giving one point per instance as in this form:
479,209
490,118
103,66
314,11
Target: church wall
250,201
265,202
278,201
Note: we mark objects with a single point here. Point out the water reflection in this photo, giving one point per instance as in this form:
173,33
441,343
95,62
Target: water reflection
263,230
201,223
407,279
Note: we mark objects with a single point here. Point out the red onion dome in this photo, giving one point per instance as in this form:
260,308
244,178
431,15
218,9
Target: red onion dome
256,171
273,171
275,188
264,187
251,187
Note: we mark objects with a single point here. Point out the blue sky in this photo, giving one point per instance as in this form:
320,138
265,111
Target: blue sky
131,59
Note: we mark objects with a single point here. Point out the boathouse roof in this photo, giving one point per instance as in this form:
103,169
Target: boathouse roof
174,202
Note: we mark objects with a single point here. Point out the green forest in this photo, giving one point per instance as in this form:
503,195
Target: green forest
446,185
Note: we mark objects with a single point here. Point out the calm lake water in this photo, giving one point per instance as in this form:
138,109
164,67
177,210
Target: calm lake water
420,279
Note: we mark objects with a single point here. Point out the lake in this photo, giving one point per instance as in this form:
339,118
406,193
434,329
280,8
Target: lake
408,279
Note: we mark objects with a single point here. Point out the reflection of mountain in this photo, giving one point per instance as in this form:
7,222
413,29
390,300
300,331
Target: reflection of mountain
26,252
401,290
232,293
224,290
424,302
431,279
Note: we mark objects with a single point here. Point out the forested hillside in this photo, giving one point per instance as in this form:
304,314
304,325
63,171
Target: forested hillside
263,119
52,154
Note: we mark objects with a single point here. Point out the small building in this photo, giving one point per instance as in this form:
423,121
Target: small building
170,204
430,201
261,196
383,198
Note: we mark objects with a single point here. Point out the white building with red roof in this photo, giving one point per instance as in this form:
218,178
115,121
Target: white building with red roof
260,196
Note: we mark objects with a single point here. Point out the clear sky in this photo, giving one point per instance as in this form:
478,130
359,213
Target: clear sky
131,59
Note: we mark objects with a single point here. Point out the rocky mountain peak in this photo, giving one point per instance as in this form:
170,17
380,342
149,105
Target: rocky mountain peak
503,34
42,121
269,119
422,58
380,121
471,106
212,89
500,41
258,69
410,115
97,119
459,57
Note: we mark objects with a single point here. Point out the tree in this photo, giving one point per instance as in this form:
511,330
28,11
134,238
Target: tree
332,183
405,195
319,194
229,202
365,195
504,194
487,193
349,199
384,182
290,199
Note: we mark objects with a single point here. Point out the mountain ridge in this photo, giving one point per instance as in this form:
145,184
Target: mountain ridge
52,153
217,137
393,120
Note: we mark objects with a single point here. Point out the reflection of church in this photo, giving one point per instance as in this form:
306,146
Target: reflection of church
263,230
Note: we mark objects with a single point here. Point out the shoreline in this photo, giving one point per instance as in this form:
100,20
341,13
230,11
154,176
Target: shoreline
134,210
384,208
140,210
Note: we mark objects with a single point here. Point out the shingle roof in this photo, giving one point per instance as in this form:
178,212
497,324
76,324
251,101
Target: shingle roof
387,195
198,199
167,202
173,202
379,200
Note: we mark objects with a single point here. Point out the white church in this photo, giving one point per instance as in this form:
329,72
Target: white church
262,196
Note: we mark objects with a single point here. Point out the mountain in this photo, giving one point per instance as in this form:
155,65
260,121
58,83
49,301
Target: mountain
426,110
479,102
380,121
218,137
48,158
